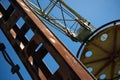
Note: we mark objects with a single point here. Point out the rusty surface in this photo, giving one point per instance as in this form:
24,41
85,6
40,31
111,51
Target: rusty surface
69,67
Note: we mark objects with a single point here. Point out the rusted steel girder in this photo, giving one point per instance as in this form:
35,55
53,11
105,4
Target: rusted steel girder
29,53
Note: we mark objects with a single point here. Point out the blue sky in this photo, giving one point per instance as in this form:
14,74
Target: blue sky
98,12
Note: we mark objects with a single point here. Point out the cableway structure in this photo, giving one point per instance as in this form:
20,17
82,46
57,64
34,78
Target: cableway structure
100,48
33,51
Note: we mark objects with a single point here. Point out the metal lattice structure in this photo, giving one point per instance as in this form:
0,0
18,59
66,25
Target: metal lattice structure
61,16
100,47
43,42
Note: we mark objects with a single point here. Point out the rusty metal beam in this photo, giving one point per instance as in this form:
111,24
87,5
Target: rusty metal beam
70,67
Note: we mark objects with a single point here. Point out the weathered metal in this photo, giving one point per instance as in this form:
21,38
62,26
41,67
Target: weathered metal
69,67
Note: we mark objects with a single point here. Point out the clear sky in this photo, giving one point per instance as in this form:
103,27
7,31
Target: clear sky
98,12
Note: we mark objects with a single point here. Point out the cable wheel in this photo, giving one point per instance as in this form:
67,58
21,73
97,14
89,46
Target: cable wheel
101,55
